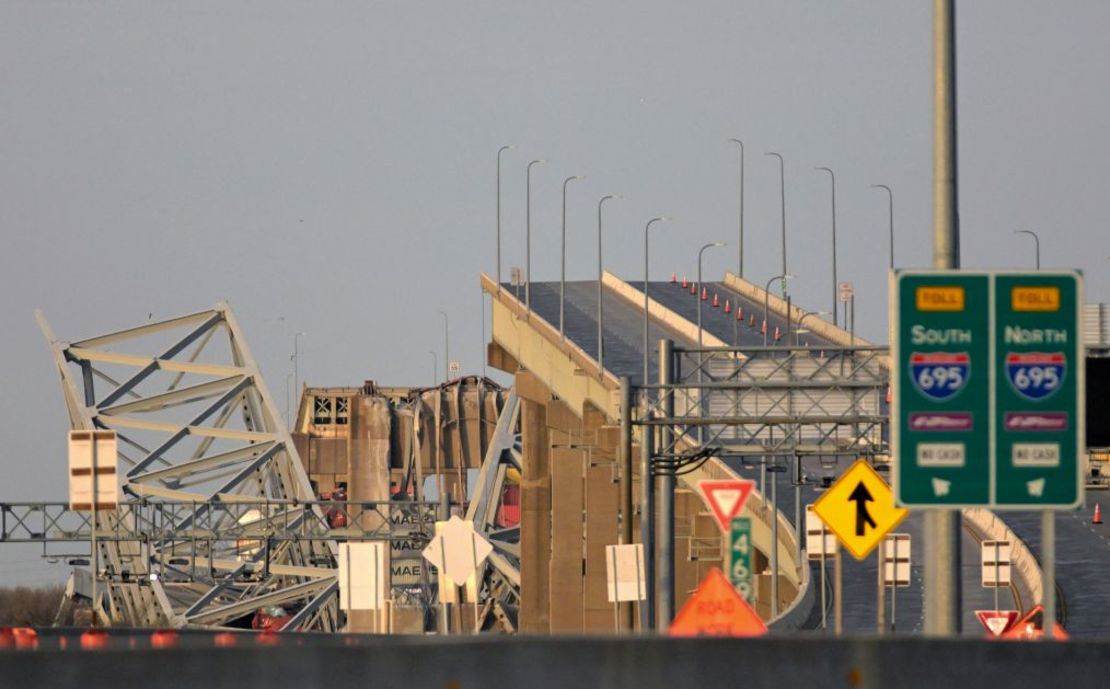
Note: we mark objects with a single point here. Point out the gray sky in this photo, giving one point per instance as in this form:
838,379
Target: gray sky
328,166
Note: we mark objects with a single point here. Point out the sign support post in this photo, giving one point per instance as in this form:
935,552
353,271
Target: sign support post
1048,571
880,565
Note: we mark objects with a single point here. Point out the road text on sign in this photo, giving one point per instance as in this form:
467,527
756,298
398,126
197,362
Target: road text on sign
859,508
716,609
987,386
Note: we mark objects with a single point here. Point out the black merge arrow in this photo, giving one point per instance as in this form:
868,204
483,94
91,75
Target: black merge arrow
861,496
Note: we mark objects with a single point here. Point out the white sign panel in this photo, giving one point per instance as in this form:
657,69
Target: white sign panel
896,549
996,563
845,291
91,466
457,549
454,367
362,576
624,570
516,278
820,542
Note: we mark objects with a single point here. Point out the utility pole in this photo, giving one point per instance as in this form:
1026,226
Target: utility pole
942,526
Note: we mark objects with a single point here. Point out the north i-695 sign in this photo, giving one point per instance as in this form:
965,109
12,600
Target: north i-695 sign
988,382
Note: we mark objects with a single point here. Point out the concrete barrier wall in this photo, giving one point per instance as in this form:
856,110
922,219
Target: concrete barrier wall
579,662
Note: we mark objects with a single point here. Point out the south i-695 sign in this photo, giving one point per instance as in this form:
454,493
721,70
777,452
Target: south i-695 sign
988,383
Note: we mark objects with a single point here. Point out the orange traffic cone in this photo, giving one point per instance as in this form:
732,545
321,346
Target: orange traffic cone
751,320
763,330
728,309
704,294
693,288
674,278
1097,519
739,313
778,335
716,301
684,283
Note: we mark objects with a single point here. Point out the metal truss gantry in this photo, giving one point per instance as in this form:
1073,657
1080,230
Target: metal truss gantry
198,432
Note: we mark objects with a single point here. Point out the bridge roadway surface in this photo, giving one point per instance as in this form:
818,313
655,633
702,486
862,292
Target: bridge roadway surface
623,357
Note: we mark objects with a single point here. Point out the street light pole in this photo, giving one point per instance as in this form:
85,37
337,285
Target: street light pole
740,243
499,152
600,275
563,268
446,347
782,197
661,218
767,303
296,364
798,327
832,177
528,235
700,252
890,206
1036,244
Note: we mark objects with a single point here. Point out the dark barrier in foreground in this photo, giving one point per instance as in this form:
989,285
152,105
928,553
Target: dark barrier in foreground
574,663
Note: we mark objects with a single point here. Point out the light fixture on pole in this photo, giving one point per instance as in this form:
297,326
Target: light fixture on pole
600,275
798,328
499,152
563,263
890,207
832,177
1036,244
528,235
661,218
740,238
782,199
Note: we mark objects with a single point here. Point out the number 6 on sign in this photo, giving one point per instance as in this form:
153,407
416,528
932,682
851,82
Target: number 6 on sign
740,556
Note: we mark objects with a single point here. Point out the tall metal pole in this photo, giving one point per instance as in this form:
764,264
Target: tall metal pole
499,152
1036,244
94,559
600,275
647,518
666,497
528,235
1048,571
942,527
767,304
296,365
832,177
701,251
782,197
482,349
740,233
890,207
661,218
563,261
625,450
446,347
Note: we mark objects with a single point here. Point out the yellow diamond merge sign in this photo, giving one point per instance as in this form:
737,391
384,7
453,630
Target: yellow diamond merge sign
859,508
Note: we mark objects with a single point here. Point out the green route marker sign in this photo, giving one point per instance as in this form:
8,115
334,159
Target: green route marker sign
740,556
987,389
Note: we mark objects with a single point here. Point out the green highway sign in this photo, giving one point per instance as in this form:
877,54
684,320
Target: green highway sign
987,385
740,556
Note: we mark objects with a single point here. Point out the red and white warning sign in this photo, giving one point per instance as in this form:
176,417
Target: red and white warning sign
997,622
725,498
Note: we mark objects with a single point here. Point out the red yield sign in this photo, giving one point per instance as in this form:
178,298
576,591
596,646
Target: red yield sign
997,622
725,499
716,609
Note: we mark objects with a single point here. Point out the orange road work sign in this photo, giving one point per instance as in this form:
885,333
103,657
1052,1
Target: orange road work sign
716,609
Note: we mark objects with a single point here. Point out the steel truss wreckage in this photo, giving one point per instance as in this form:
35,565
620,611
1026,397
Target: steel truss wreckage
218,518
